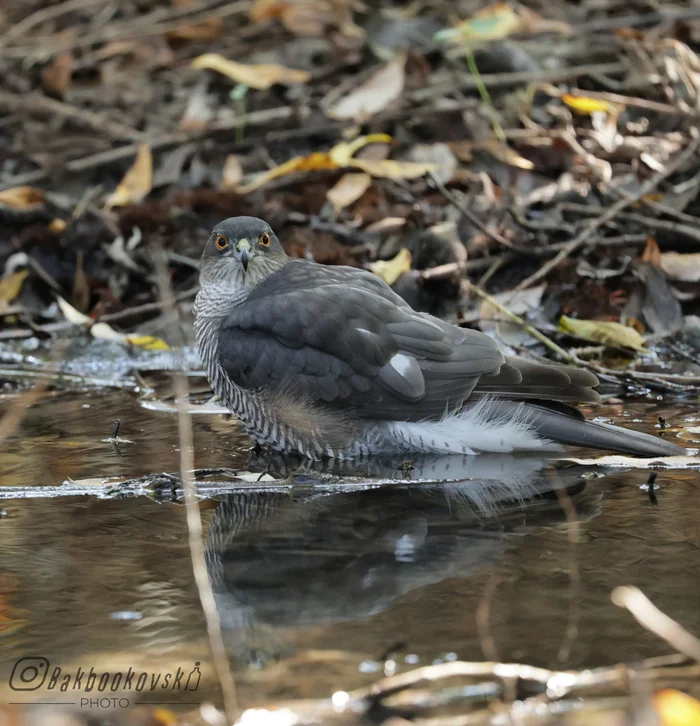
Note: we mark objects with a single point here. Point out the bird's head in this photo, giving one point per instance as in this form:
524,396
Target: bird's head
241,249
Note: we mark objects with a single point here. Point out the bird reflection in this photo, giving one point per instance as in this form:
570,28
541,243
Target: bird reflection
312,557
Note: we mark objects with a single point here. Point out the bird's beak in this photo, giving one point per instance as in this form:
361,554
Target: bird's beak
243,248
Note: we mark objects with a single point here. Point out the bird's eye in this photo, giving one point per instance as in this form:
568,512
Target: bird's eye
221,242
264,239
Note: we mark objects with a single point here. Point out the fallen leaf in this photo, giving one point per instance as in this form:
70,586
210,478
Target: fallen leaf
440,155
652,253
389,169
58,226
504,153
147,342
341,157
56,77
680,266
11,286
586,106
374,95
208,29
492,321
676,708
391,270
21,197
603,331
232,173
493,23
260,76
137,182
307,17
103,331
348,189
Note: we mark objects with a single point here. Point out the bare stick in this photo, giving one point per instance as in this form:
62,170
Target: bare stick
194,521
471,287
612,211
649,616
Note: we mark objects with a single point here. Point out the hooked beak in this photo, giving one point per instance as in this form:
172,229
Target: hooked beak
243,248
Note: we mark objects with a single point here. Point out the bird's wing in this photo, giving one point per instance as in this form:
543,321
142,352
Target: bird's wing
342,336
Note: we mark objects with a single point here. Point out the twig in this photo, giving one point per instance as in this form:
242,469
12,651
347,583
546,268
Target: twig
194,520
471,287
464,209
612,212
655,621
257,118
95,121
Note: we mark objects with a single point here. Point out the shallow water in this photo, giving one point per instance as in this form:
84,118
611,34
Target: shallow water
324,582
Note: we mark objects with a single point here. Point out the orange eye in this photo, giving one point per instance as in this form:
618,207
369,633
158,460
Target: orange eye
221,242
264,239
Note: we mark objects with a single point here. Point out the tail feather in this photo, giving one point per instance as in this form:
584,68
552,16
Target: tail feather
570,428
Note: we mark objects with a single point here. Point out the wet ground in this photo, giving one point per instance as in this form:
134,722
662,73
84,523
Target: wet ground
323,582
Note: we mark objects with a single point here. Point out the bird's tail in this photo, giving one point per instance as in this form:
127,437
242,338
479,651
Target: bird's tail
497,425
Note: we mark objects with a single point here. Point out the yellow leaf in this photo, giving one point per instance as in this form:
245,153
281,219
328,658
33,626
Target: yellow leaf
255,76
388,169
603,331
493,23
147,342
586,106
391,270
11,286
374,95
342,153
58,225
137,182
676,708
348,189
318,161
21,197
71,314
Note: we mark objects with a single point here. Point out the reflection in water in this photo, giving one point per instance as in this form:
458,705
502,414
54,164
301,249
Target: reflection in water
283,560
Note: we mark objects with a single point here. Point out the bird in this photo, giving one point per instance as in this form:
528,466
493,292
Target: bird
327,361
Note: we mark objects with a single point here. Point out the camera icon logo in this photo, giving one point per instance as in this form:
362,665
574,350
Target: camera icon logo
29,673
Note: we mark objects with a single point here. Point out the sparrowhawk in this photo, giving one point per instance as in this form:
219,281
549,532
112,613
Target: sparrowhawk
329,361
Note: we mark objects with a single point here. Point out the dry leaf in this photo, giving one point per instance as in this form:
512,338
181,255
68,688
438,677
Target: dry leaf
652,253
255,76
208,29
58,226
438,154
603,331
11,286
348,189
676,708
389,169
21,197
232,173
504,153
103,331
57,76
586,106
374,95
137,182
683,267
391,270
308,17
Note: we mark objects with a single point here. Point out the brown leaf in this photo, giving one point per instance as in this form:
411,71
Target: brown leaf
652,253
56,77
374,95
232,173
348,189
679,266
137,182
80,296
505,153
255,76
21,197
208,29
